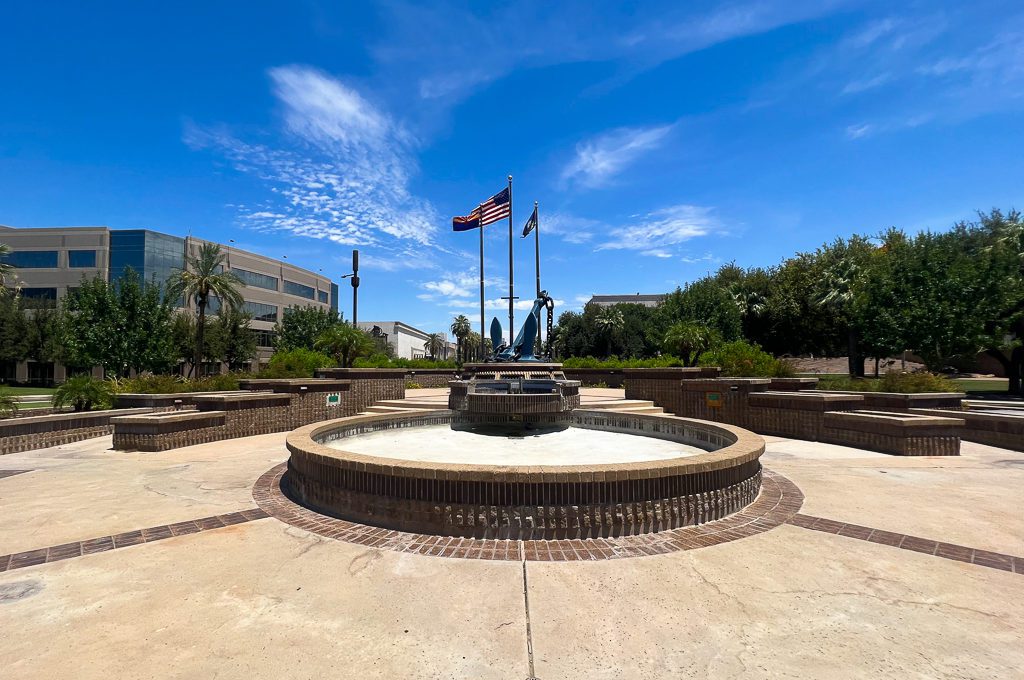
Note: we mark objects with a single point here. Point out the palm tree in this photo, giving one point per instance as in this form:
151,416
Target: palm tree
687,340
345,343
610,321
203,276
6,269
460,328
433,345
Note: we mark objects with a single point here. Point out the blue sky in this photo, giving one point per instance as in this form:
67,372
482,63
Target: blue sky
661,141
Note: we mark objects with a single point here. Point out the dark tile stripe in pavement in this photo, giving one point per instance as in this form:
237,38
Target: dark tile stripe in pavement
11,473
91,546
949,551
778,501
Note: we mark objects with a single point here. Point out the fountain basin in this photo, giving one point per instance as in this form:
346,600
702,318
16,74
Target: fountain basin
716,473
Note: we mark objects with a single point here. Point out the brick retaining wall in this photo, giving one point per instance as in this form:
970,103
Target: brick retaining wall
39,432
874,421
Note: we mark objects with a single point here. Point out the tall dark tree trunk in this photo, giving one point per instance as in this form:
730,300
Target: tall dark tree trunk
200,332
855,360
1014,371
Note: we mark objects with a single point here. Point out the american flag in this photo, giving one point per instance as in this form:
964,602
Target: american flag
495,208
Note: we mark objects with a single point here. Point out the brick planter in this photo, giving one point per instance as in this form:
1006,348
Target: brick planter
39,432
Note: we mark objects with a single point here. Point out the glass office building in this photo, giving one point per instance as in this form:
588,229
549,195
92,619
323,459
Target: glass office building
51,262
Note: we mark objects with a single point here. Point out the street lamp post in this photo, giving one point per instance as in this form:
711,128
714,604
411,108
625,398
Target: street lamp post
355,287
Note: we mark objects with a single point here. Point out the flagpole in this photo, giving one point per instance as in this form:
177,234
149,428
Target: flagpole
536,251
483,341
511,295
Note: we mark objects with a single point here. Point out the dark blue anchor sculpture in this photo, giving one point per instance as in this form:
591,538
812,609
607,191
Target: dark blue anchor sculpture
522,348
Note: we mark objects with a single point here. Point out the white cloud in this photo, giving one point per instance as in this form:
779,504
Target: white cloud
656,252
569,228
599,159
858,86
657,230
346,176
859,131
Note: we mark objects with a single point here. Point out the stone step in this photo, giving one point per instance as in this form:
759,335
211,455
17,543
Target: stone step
384,409
641,409
404,404
617,404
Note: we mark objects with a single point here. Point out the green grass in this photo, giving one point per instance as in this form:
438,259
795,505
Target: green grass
22,391
981,384
41,404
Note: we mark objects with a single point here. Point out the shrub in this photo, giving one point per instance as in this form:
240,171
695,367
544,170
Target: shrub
296,363
84,393
743,359
383,361
663,361
8,406
906,383
176,384
413,385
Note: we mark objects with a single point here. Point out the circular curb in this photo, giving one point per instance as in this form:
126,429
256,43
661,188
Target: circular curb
777,502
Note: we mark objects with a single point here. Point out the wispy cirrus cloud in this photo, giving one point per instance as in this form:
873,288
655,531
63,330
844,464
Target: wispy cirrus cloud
436,47
656,232
341,174
601,158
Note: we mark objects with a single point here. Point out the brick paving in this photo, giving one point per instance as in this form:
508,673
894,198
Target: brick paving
56,553
949,551
779,500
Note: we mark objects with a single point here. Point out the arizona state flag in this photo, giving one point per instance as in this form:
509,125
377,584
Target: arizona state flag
470,221
531,223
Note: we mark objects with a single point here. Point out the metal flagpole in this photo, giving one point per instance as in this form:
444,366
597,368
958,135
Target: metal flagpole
536,250
483,341
511,295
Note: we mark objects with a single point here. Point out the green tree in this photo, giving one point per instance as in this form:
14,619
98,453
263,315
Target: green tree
610,323
687,340
460,328
6,268
121,326
14,335
433,345
345,343
203,277
231,338
843,265
706,301
300,327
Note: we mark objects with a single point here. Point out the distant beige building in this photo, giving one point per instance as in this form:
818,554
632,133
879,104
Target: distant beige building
638,299
49,262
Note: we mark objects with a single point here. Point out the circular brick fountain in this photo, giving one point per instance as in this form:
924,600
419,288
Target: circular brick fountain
635,485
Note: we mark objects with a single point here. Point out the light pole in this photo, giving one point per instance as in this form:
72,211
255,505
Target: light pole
355,287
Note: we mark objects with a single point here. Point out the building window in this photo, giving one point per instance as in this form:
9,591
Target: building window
256,279
32,259
322,296
38,298
81,259
261,312
334,297
299,290
263,338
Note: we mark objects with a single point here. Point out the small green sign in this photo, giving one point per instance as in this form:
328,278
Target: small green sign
334,399
713,399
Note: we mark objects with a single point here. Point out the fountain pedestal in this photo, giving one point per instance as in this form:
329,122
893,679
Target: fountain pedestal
532,394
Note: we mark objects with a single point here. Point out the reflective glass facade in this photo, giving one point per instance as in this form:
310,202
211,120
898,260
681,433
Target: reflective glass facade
334,297
298,289
32,259
260,311
255,279
322,296
82,259
154,256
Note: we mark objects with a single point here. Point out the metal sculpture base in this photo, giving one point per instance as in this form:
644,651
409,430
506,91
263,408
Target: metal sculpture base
524,395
